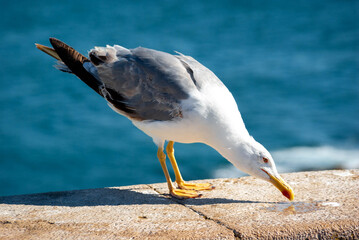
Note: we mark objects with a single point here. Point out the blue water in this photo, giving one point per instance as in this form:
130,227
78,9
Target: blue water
293,67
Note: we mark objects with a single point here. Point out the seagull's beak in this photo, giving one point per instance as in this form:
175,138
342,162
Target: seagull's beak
279,183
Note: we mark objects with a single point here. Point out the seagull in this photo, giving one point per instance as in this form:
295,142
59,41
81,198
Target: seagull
171,98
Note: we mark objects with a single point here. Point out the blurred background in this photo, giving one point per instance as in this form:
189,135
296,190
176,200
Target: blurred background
292,66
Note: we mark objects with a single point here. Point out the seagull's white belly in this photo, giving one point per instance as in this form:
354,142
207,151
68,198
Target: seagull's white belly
207,118
187,130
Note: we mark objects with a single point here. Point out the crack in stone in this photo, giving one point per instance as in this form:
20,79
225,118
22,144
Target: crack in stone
237,234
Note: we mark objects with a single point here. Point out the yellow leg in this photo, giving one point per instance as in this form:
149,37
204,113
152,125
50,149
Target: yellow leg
179,180
177,193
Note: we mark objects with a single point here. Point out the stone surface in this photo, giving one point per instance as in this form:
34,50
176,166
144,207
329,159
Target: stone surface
326,205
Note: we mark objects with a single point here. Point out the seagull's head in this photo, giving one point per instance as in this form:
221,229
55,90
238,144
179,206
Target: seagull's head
254,159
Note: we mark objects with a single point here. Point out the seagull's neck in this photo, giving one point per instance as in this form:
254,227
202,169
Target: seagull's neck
235,144
229,133
230,140
226,130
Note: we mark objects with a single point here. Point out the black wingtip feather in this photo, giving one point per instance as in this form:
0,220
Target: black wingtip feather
94,59
74,61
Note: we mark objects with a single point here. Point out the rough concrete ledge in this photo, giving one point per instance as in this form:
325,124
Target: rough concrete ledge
326,206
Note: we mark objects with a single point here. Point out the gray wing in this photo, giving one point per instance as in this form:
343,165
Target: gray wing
200,75
151,84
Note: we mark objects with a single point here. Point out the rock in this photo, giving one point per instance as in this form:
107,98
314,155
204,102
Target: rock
326,206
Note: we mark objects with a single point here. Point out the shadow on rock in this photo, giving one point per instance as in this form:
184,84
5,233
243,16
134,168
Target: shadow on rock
106,196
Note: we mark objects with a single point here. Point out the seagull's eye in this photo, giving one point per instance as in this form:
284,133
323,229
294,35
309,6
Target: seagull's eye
265,160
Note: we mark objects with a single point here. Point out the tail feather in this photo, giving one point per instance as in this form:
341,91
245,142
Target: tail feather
48,50
62,67
71,61
75,62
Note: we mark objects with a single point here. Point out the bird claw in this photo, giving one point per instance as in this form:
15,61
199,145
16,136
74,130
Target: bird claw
184,193
195,186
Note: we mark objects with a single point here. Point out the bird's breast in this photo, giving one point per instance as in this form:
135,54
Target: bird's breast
210,116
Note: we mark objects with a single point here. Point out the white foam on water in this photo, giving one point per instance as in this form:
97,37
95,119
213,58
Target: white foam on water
302,158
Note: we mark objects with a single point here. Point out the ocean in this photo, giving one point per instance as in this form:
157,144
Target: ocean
292,66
